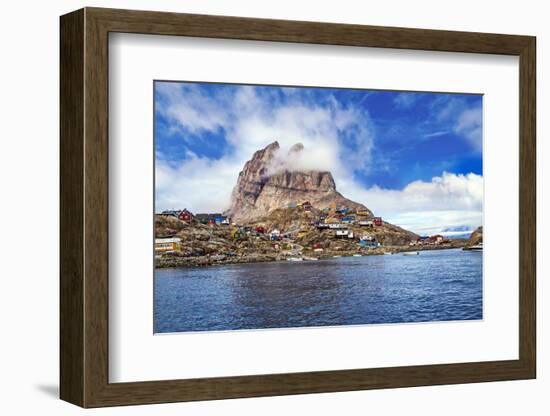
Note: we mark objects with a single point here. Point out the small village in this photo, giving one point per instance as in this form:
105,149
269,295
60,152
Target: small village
298,232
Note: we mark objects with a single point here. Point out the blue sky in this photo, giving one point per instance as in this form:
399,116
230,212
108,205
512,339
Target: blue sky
413,157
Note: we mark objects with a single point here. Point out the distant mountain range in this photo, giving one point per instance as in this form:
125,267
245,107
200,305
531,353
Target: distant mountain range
463,231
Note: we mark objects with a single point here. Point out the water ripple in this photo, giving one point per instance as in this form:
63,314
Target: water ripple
435,286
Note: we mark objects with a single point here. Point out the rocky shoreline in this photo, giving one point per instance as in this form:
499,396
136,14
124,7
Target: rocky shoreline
201,245
220,259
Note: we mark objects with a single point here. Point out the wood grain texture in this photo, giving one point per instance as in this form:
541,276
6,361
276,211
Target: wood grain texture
71,208
528,207
84,207
162,23
96,208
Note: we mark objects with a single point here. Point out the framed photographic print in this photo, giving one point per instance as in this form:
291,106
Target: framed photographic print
256,207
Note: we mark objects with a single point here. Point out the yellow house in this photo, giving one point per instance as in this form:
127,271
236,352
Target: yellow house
163,245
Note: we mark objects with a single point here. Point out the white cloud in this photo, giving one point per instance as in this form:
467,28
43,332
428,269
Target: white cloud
187,106
200,185
405,100
314,158
435,134
466,121
446,201
468,124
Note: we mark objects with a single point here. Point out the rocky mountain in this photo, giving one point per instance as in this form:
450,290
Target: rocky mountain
265,185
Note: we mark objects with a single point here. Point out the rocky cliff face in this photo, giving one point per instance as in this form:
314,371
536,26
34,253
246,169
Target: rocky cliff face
265,184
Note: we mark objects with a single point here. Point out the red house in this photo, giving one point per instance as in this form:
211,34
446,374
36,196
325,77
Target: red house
260,230
377,221
185,215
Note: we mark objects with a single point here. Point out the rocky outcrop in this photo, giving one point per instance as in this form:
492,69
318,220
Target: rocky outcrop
265,184
476,237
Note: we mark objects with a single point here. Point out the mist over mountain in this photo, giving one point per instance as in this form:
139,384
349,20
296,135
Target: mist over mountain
274,178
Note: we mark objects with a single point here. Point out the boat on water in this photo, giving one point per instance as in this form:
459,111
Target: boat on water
476,247
357,255
411,253
336,257
295,259
310,258
387,253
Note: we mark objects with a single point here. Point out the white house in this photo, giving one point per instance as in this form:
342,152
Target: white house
164,245
274,234
366,223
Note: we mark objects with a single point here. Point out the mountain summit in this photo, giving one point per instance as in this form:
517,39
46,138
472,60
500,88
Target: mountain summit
267,183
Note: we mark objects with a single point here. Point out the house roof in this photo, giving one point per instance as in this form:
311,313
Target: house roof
205,215
170,212
168,240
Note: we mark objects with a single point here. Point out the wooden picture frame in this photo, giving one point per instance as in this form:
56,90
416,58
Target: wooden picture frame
84,207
